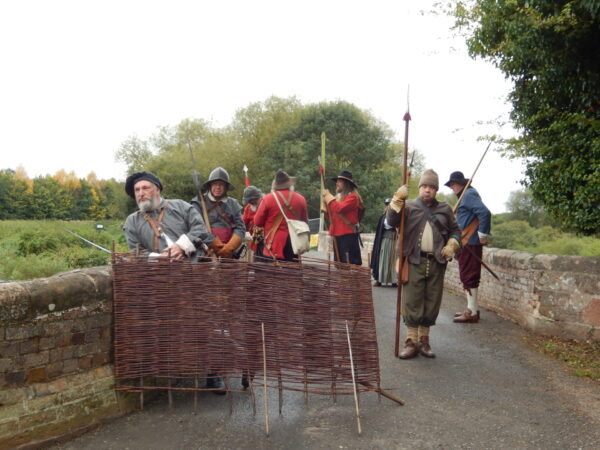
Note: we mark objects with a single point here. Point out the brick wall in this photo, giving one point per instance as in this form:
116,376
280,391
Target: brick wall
55,355
548,294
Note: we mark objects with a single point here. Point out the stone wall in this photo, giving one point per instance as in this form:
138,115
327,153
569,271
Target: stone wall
548,294
56,375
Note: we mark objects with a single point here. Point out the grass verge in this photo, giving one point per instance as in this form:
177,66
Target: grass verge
582,357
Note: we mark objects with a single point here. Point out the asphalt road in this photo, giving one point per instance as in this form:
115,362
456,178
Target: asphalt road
486,389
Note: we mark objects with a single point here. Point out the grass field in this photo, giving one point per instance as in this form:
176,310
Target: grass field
40,248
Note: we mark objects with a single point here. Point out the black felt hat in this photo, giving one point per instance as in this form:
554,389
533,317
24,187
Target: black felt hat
345,175
139,176
457,177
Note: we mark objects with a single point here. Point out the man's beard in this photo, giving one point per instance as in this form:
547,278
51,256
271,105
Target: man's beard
149,205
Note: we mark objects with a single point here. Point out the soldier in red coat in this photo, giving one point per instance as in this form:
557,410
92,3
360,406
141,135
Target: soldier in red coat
277,244
346,209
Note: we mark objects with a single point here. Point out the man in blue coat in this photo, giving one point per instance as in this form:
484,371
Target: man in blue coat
474,220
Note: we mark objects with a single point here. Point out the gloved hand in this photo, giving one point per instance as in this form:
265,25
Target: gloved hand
227,250
327,197
398,199
216,245
450,249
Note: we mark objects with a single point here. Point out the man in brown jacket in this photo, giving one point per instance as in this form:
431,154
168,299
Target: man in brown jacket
431,238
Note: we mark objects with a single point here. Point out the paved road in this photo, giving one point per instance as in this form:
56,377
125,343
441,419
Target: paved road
485,389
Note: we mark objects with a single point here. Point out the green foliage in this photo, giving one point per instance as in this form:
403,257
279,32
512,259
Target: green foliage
549,49
519,235
35,242
32,249
522,206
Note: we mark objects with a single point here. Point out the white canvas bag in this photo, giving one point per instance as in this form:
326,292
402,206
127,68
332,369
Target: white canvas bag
299,231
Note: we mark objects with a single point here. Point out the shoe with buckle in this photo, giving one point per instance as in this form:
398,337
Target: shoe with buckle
410,350
425,348
467,316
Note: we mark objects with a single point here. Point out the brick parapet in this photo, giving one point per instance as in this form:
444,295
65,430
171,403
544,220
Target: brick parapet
549,294
55,356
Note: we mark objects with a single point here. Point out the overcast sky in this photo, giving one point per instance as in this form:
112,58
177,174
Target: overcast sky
79,77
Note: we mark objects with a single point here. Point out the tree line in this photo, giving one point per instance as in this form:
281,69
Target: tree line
60,196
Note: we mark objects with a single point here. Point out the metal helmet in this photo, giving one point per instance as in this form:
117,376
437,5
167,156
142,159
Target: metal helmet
218,174
251,193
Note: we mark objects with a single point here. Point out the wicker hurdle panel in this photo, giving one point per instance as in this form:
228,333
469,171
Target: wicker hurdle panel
185,319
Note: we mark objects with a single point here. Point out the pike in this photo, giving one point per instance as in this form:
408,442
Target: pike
195,177
406,119
246,179
322,174
99,247
472,227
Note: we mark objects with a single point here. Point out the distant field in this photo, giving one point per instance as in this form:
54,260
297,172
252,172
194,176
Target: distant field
40,248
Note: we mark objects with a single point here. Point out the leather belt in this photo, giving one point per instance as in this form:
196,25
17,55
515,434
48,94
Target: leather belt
427,255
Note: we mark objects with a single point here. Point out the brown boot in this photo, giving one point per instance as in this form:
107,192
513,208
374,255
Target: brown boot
467,317
410,350
424,348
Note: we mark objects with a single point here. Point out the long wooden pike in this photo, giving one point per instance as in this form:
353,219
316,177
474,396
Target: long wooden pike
470,227
455,207
322,174
406,119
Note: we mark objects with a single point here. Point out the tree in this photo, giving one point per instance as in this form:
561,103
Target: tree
134,152
522,206
549,49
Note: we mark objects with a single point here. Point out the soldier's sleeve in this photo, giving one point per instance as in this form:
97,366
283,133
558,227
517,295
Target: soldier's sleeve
240,228
482,212
454,230
197,230
131,235
393,217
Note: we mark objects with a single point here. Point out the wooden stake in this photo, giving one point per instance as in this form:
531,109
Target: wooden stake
353,379
266,398
196,393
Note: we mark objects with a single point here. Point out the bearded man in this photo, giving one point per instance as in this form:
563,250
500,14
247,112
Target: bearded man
224,213
163,227
431,238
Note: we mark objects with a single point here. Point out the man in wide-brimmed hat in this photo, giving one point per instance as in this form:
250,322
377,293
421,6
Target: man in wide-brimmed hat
224,212
277,244
162,227
474,219
431,238
346,210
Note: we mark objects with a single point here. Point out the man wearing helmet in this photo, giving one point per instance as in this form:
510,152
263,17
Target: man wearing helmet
224,213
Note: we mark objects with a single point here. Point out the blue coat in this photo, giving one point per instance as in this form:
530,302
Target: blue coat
471,207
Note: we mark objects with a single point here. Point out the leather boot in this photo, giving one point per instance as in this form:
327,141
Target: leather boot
424,347
467,317
213,381
410,350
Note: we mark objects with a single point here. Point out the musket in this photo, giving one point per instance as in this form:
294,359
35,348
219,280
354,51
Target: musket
99,247
406,119
470,227
195,177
